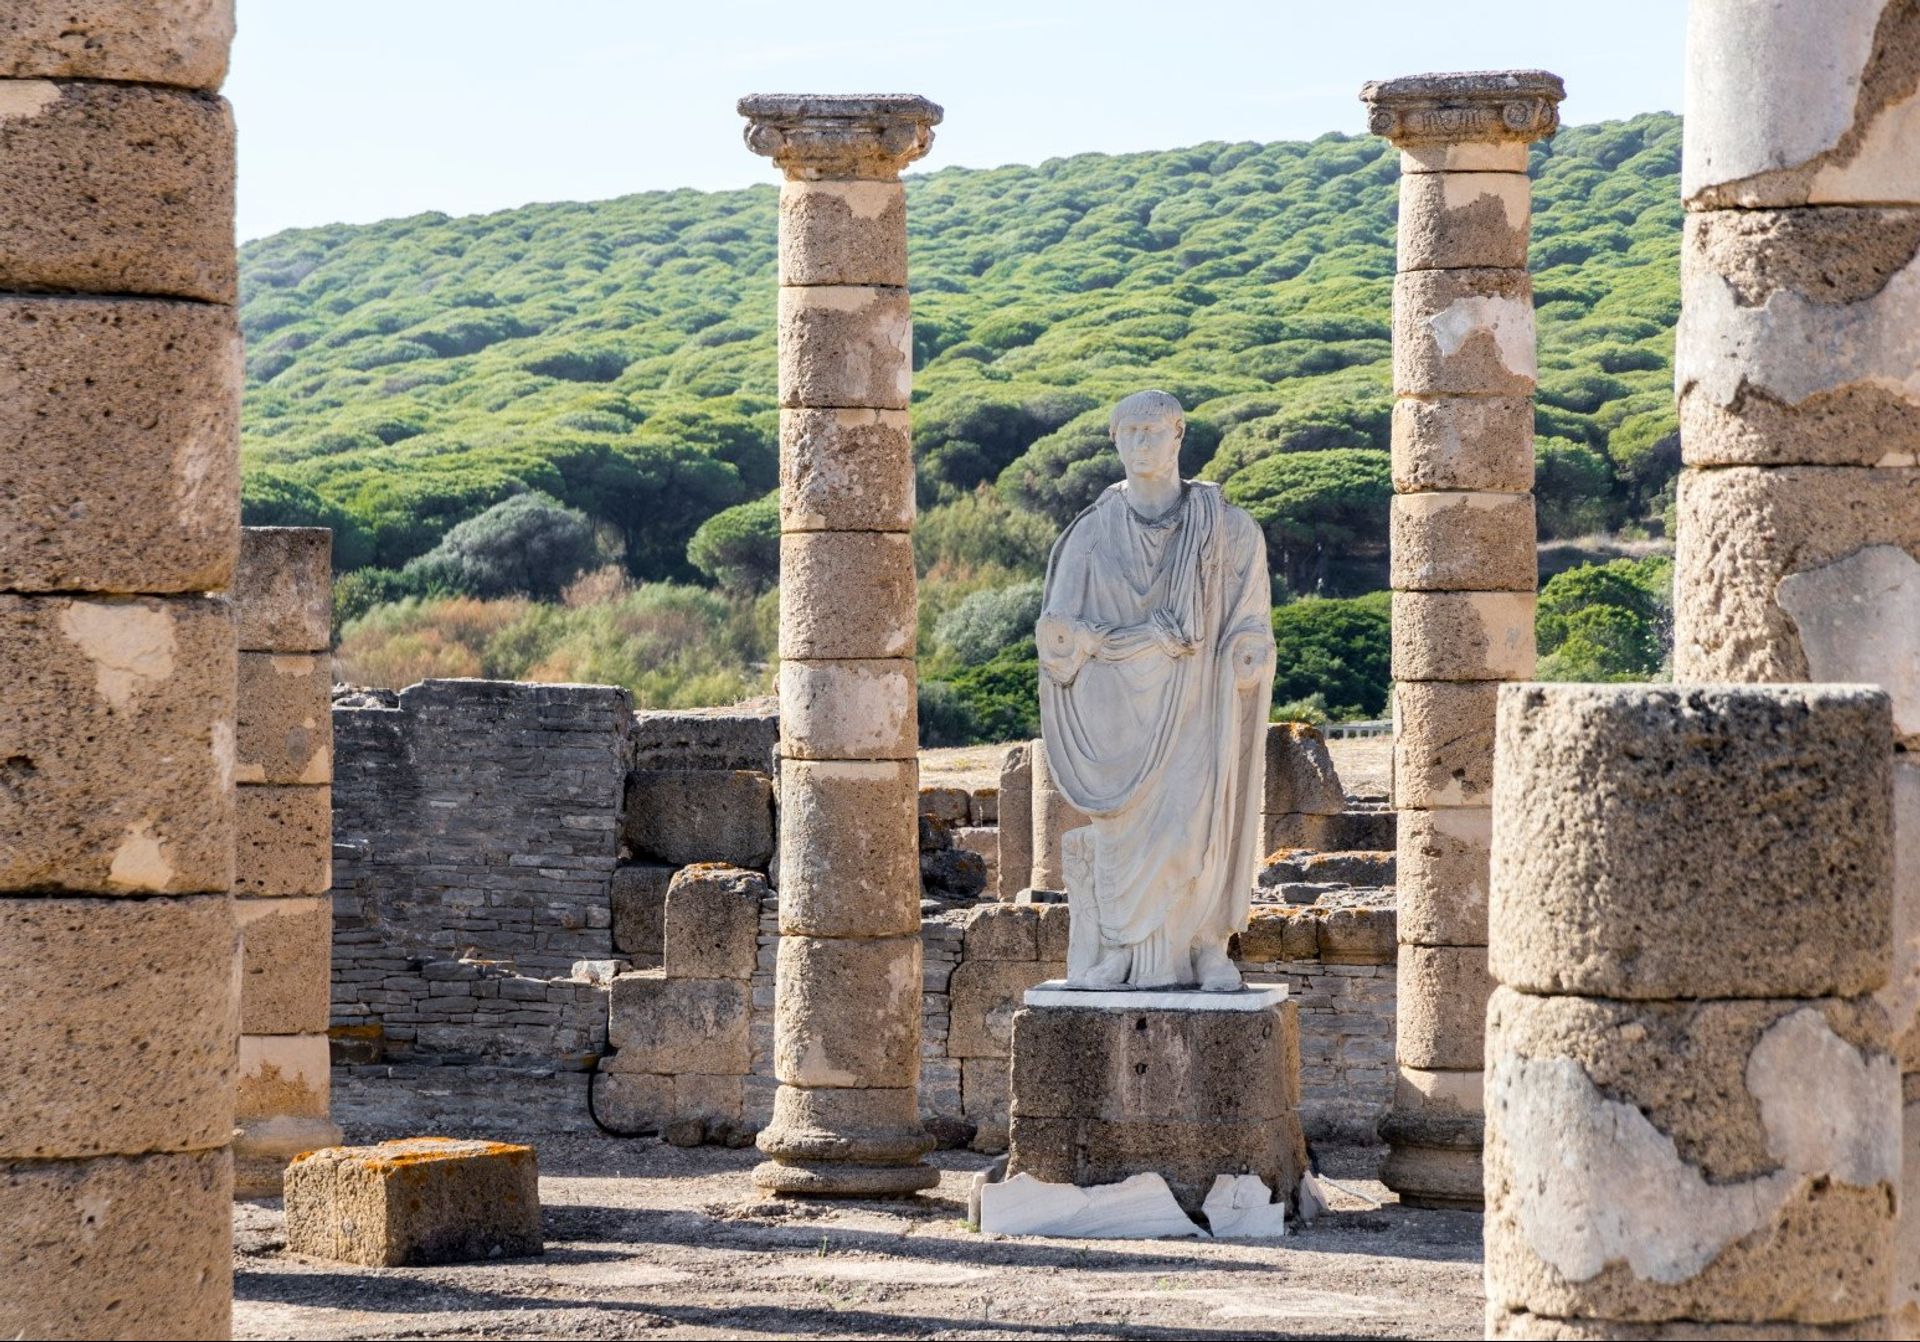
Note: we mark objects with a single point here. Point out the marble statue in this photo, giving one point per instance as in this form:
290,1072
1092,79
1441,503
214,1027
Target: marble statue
1156,672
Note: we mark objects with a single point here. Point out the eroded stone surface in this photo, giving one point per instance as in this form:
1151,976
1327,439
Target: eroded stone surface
849,710
1463,543
1463,331
282,1076
815,136
284,732
668,1025
1463,443
1449,220
713,922
1443,743
1442,876
415,1202
283,840
1440,1007
849,853
847,595
677,816
181,42
845,347
848,1012
287,952
1016,820
1859,620
843,232
283,588
845,470
1463,635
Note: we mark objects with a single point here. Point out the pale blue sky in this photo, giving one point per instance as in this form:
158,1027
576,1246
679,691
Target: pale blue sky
358,110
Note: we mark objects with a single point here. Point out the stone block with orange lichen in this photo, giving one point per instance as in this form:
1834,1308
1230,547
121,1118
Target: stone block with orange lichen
415,1202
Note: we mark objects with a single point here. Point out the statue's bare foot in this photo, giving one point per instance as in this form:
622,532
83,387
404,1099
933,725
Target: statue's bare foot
1109,971
1216,972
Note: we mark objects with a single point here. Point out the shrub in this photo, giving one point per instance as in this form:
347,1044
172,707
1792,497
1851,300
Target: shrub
1340,650
527,545
983,624
739,547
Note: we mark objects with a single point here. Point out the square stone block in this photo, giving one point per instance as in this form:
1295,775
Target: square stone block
120,429
1453,219
847,1012
119,1026
1443,743
283,589
182,43
713,922
843,232
845,347
1004,932
1357,936
637,1103
1300,776
847,595
984,994
735,736
1463,332
678,816
1277,934
845,470
675,1025
116,745
283,1076
1463,543
639,896
1348,832
285,730
415,1202
284,840
1475,444
849,710
850,863
117,189
286,965
1463,635
1056,925
1440,1007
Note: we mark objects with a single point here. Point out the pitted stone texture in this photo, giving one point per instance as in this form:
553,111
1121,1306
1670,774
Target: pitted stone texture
1796,106
415,1202
1443,744
120,1024
845,347
1016,819
849,710
1767,805
984,996
846,595
868,1125
1524,1327
116,749
815,136
639,896
118,1247
181,42
1796,343
846,470
1466,107
1744,530
117,189
677,816
847,1013
1300,777
1451,220
1470,444
283,588
1441,1006
1463,332
286,962
843,232
1006,932
849,854
1859,621
713,922
670,1025
119,423
1720,1161
1463,543
1463,635
737,736
285,729
283,838
282,1075
1442,876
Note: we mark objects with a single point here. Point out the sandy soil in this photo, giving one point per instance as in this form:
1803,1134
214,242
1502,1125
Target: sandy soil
647,1240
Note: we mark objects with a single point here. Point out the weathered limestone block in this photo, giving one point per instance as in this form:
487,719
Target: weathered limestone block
283,588
145,1242
1480,120
633,1103
849,860
1275,933
1463,332
1504,1324
1437,1176
283,1076
1440,1006
639,896
1794,345
846,594
984,996
1473,444
668,1026
1608,796
830,1123
286,962
850,710
119,427
1348,832
1053,816
678,816
182,43
1802,106
1453,220
738,736
1004,932
713,922
116,747
846,470
1718,1161
285,729
415,1202
1463,635
949,805
1859,620
845,347
283,840
1442,870
848,1012
1463,543
1054,931
1464,156
843,232
1016,820
1300,777
983,1101
119,1026
1357,936
1443,743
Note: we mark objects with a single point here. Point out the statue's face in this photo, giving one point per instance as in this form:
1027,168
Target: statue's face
1148,447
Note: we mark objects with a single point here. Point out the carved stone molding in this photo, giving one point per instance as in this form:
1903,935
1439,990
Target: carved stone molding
1477,107
815,136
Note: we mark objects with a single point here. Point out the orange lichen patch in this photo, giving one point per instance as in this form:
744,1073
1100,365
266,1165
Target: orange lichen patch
409,1152
356,1031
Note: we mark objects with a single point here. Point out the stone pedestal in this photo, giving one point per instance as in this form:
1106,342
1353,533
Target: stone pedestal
1463,570
1186,1085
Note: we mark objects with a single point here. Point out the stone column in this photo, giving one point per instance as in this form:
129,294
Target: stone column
1053,816
119,523
284,858
1016,820
1463,570
1693,1097
1798,553
847,977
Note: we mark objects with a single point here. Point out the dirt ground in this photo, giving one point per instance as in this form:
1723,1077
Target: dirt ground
1364,764
648,1240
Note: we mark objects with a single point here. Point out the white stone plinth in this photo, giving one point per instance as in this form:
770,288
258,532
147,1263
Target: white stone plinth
1251,997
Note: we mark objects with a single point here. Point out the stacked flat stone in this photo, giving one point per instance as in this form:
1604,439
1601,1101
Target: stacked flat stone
1693,1096
1463,571
847,1009
283,807
1798,554
119,527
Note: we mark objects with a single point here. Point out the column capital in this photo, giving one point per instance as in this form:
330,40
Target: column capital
1483,106
855,135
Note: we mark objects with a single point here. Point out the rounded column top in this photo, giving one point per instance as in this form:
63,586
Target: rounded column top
840,135
1481,106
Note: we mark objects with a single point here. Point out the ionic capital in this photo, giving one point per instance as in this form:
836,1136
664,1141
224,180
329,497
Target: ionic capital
818,136
1485,106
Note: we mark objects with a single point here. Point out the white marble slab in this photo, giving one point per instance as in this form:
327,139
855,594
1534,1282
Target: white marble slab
1252,997
1141,1207
1241,1206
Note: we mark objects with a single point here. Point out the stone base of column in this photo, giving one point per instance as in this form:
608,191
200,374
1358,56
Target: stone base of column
845,1143
263,1147
1435,1159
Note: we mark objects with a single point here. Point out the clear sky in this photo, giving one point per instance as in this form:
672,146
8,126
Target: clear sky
356,110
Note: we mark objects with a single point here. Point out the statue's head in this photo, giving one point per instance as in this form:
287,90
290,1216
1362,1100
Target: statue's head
1147,428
